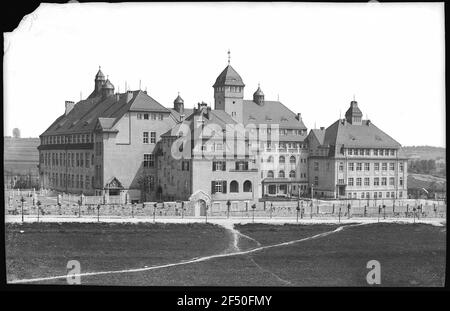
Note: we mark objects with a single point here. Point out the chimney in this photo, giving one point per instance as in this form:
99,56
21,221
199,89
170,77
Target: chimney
129,96
182,117
299,116
69,106
368,122
117,96
322,128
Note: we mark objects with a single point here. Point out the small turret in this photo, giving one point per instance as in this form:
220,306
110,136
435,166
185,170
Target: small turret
258,96
99,81
354,114
107,89
178,104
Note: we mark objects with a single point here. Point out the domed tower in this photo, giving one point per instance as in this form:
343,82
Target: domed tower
99,81
258,96
354,114
107,89
178,104
229,92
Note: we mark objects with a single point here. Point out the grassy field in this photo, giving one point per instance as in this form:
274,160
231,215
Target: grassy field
410,255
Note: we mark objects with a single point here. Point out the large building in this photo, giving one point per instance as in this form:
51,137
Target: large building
354,159
105,143
239,153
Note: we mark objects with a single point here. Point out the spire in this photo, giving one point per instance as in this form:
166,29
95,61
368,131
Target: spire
229,56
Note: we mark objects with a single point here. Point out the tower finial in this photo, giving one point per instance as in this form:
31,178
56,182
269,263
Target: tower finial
229,56
354,97
258,85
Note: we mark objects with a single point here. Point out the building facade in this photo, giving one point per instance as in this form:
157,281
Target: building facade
228,158
354,159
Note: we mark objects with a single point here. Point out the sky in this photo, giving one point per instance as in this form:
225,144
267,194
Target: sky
314,57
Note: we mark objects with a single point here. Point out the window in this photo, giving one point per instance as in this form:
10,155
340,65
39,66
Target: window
341,181
78,160
401,166
367,166
316,180
391,181
376,166
149,160
366,181
292,174
392,152
375,195
391,166
359,166
350,151
247,186
270,174
145,116
292,160
387,194
81,160
219,166
87,161
145,137
384,166
281,174
341,166
375,152
376,181
185,166
367,152
358,181
241,166
351,166
350,181
383,181
362,195
281,159
316,166
400,181
153,137
234,186
218,186
270,159
139,116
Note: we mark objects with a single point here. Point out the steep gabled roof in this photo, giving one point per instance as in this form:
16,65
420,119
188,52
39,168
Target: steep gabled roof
366,135
84,115
271,112
319,134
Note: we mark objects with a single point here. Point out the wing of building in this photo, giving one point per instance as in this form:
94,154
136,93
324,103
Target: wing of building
353,158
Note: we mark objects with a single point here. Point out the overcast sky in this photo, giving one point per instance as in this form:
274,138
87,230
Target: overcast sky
315,57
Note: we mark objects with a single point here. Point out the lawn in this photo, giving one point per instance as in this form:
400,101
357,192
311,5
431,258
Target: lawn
410,255
43,249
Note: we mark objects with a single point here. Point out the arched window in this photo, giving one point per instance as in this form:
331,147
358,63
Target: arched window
281,174
270,174
247,186
234,186
292,159
281,159
292,174
270,159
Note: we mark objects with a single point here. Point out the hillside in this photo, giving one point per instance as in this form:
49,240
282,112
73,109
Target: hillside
20,155
424,152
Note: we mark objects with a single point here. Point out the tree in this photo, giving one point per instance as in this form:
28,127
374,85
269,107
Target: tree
16,133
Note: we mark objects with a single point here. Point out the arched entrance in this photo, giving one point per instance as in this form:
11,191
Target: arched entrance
201,201
202,206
